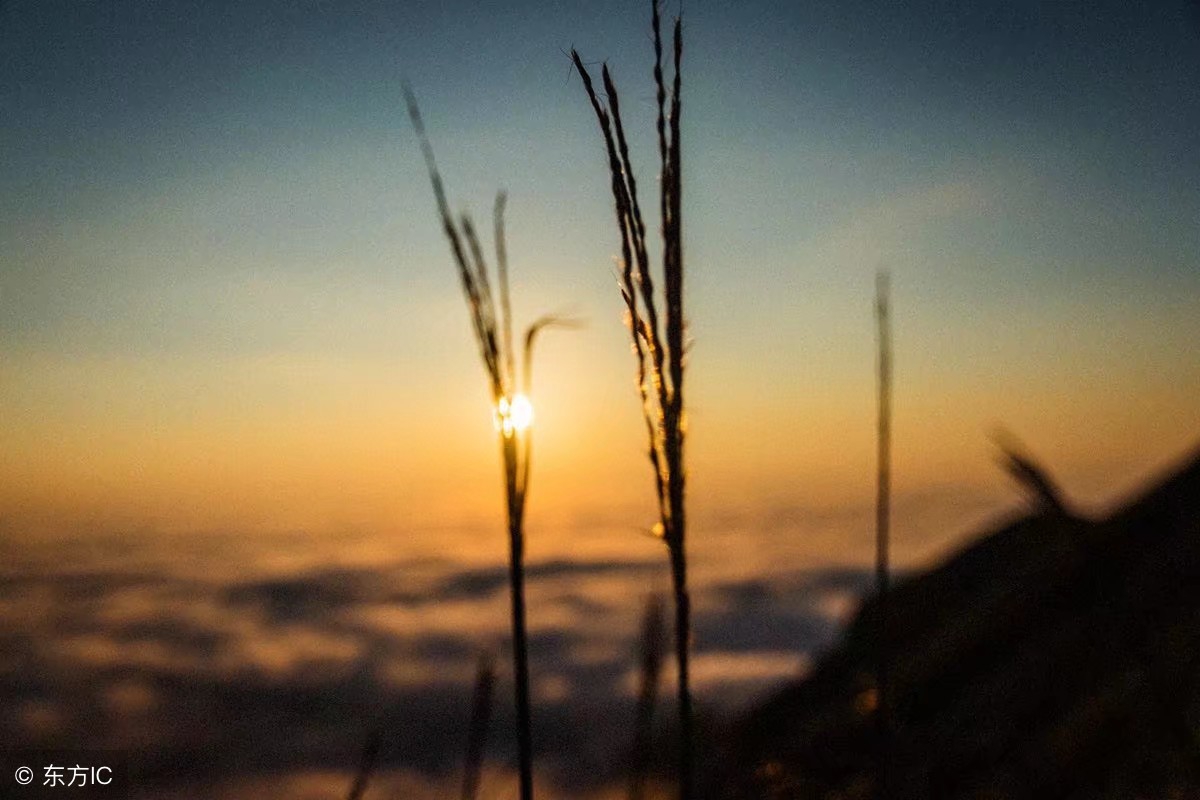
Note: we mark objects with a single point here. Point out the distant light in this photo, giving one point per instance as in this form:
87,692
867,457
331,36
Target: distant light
515,415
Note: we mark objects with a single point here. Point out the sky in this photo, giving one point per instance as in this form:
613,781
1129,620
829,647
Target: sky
226,303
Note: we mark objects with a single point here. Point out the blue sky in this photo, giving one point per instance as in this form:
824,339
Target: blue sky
214,225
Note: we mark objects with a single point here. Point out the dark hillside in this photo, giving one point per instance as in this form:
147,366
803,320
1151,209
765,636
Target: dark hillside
1055,657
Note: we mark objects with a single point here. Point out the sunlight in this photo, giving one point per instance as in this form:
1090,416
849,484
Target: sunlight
515,415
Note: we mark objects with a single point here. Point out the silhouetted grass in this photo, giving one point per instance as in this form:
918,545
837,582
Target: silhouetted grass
650,660
1033,478
883,507
494,337
481,714
366,765
660,358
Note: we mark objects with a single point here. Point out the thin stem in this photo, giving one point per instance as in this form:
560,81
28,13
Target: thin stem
882,534
651,668
673,257
366,765
673,427
683,629
502,276
481,713
516,582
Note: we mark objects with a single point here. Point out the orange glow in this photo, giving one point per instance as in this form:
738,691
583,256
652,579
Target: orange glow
316,443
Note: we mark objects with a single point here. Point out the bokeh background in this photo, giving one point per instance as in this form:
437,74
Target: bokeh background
249,489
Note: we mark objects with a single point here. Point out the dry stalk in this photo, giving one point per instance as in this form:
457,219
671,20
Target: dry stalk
883,500
481,714
658,348
651,658
495,341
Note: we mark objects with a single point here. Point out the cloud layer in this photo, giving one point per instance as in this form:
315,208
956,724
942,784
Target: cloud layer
224,666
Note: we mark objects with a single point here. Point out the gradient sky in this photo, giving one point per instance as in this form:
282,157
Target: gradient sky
225,301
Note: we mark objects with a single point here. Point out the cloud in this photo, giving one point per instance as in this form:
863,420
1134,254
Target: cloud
232,672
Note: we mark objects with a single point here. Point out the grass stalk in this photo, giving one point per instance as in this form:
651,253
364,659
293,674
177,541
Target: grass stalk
494,339
366,765
481,713
1045,495
883,534
650,660
658,344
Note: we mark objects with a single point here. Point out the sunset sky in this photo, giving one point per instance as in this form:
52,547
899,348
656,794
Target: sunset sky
248,474
226,303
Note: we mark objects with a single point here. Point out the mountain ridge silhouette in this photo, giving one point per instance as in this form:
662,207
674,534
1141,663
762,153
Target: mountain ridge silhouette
1055,656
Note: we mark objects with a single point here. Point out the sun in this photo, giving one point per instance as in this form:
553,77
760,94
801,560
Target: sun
514,415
